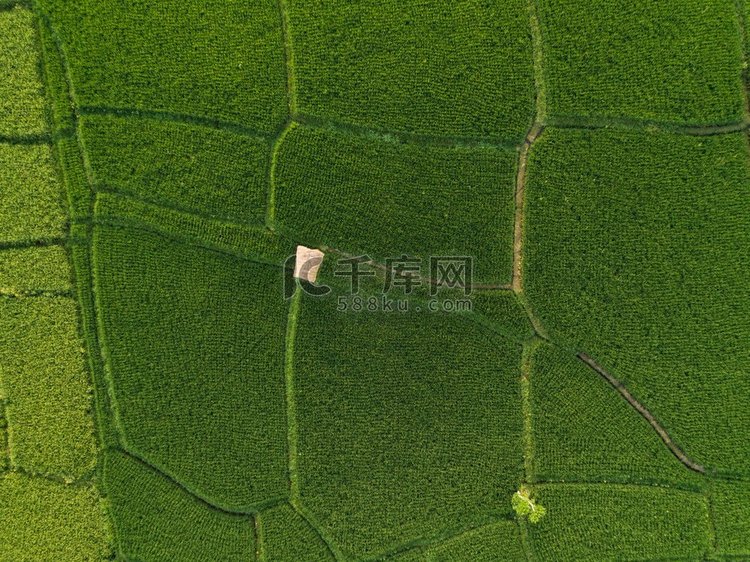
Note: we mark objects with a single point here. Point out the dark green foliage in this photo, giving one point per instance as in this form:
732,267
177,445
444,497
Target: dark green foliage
22,105
387,199
497,542
638,248
409,425
193,341
610,522
31,198
157,521
44,520
730,508
427,68
584,430
35,270
677,61
504,313
204,170
253,243
45,387
58,96
216,60
286,537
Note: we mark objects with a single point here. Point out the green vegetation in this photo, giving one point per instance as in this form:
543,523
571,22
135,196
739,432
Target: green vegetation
204,170
607,522
415,67
155,520
32,204
214,60
45,387
380,197
730,501
497,542
526,507
678,62
34,270
22,103
286,537
44,520
584,430
4,461
642,264
504,312
394,413
193,343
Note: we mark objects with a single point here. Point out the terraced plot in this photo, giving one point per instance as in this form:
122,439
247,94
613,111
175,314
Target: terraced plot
172,397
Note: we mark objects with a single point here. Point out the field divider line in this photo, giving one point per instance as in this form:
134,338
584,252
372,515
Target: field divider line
172,117
266,504
332,549
288,53
632,124
643,411
36,294
527,356
291,406
402,137
37,243
272,165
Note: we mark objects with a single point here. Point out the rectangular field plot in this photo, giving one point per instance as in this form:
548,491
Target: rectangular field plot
584,430
637,253
386,199
678,62
203,170
34,270
43,520
610,522
731,518
214,59
417,67
193,341
45,385
408,424
154,519
32,201
285,535
22,104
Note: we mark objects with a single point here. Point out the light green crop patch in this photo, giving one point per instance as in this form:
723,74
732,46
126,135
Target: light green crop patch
677,62
213,59
584,430
730,501
416,67
22,103
45,387
386,199
44,520
32,202
606,522
285,535
193,341
408,424
34,270
156,520
637,254
200,169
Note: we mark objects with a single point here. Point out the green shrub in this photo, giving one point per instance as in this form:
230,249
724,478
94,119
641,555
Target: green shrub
386,199
193,342
677,62
584,430
32,202
45,387
22,104
201,169
215,60
408,424
44,520
730,501
33,270
611,522
286,537
416,67
637,254
155,520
